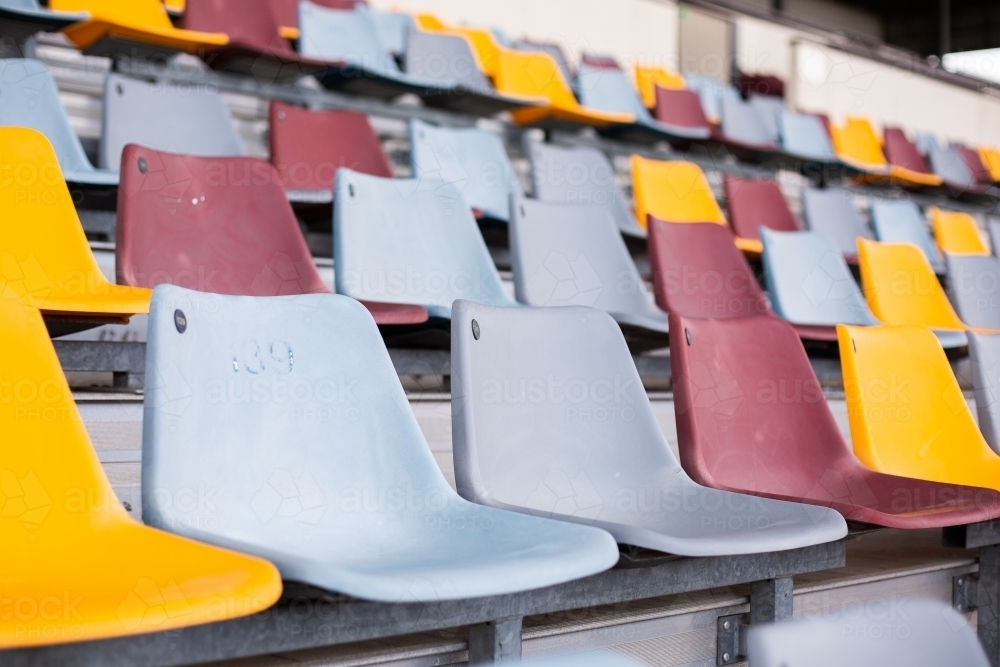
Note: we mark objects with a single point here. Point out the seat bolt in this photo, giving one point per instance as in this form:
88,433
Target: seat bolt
180,321
725,657
142,165
725,625
475,329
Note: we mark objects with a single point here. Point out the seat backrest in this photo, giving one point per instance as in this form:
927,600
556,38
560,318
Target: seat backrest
832,211
699,272
409,241
484,42
991,160
444,58
769,109
578,175
308,147
857,141
984,356
393,29
554,50
805,134
179,223
608,89
935,636
648,79
757,202
574,255
474,161
742,122
285,13
901,152
680,107
900,221
975,164
29,98
140,13
901,288
750,411
710,92
957,232
949,165
249,23
192,120
974,289
674,191
342,35
809,282
533,74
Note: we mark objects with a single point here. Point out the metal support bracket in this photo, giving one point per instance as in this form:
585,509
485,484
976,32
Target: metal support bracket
732,644
980,592
770,600
965,593
495,642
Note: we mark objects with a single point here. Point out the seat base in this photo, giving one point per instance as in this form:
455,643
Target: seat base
357,80
269,67
64,324
642,133
477,102
19,25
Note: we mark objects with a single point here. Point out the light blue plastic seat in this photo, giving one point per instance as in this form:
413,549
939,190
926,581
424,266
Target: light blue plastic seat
711,92
474,161
993,227
902,631
947,163
20,19
832,211
550,418
552,49
573,254
286,417
579,175
609,89
744,125
191,120
804,136
29,98
984,357
900,221
770,109
974,289
410,241
393,29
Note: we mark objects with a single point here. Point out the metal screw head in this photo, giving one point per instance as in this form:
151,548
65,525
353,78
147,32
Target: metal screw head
687,335
725,657
475,329
142,165
726,625
281,115
119,89
180,321
350,189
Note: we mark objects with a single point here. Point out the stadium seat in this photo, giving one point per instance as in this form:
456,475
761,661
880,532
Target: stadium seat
903,153
948,163
935,636
831,211
975,164
550,418
366,65
70,546
286,13
751,418
770,109
991,160
711,93
307,148
536,74
901,289
984,358
311,478
180,119
754,203
256,46
858,146
137,28
484,42
393,29
20,19
805,136
410,241
29,98
744,128
900,221
566,68
648,79
906,410
974,289
45,259
474,161
681,109
957,233
573,255
180,224
608,89
579,175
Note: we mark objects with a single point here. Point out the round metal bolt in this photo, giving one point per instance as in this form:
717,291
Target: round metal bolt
475,329
350,189
119,89
726,625
180,321
687,335
725,657
281,115
143,167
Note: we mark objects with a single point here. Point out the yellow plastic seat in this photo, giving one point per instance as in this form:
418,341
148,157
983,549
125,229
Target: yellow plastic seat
484,44
902,289
907,413
648,78
175,6
133,27
45,260
535,74
857,144
73,565
957,233
991,160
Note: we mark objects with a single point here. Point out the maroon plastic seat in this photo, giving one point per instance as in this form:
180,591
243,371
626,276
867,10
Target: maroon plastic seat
680,107
256,47
307,147
756,203
599,61
286,12
216,224
975,164
699,272
760,84
902,152
751,418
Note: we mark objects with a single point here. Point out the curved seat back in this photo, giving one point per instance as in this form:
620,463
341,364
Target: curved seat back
974,289
754,203
957,232
805,135
673,191
832,211
900,221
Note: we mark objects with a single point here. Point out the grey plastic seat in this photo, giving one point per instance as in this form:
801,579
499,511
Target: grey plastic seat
29,98
573,254
900,221
803,136
831,211
984,356
947,163
351,37
711,92
474,161
993,227
609,89
579,175
743,125
549,417
809,282
927,633
288,411
552,49
974,289
180,119
393,29
770,109
20,19
410,241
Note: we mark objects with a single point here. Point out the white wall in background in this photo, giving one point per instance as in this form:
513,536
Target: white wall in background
763,47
